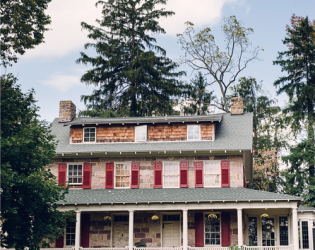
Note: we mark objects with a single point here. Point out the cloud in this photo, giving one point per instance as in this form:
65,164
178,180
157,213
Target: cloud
65,34
63,82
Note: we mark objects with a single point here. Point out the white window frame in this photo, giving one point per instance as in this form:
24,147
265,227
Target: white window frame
74,163
204,173
163,185
115,163
65,236
204,228
194,125
89,137
138,130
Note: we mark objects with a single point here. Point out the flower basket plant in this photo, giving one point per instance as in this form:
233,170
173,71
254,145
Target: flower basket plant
212,217
154,218
107,218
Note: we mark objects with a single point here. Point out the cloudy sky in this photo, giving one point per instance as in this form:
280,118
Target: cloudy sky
51,70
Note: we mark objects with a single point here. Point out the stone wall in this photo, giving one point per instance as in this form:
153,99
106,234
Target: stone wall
100,231
146,178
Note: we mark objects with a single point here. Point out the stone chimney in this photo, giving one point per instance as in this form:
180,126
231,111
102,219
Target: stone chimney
67,111
237,106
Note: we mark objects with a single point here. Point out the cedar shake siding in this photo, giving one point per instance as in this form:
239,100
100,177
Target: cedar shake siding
126,133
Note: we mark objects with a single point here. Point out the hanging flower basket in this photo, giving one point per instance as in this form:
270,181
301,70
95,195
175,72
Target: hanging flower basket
155,218
107,218
212,217
264,216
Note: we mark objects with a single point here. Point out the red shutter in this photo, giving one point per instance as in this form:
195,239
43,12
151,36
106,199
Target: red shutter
199,230
59,242
225,173
135,175
109,180
198,174
85,230
225,229
86,182
62,174
184,174
157,174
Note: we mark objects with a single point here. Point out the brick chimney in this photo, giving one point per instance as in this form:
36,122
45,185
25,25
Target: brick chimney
67,111
237,106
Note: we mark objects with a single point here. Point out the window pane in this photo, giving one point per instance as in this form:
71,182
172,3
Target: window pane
284,236
213,226
193,132
252,231
305,234
268,229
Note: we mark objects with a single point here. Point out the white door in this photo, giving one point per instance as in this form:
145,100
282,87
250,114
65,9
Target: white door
171,234
121,234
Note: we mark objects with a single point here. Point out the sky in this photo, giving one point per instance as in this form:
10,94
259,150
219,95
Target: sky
51,69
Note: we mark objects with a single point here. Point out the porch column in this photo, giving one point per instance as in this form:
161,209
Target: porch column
295,229
185,229
77,230
131,229
310,233
239,227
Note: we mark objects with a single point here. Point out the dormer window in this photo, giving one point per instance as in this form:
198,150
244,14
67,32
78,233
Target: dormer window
193,132
89,134
141,133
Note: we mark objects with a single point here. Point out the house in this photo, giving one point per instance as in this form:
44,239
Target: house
173,182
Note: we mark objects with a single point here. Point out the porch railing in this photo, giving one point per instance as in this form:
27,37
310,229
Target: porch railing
157,248
290,247
208,248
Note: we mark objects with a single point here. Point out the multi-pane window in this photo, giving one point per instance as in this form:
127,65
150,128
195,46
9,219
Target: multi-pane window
141,133
305,240
252,231
122,175
171,217
70,233
89,134
121,218
212,230
193,132
212,173
171,174
75,174
268,231
284,231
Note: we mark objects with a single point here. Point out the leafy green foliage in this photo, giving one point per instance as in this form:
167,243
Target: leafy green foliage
22,27
202,53
132,80
299,84
29,191
200,99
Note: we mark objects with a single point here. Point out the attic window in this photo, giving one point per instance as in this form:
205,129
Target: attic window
89,134
141,133
193,132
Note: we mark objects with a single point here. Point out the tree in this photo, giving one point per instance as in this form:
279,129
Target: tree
299,84
28,190
202,53
22,27
132,79
199,98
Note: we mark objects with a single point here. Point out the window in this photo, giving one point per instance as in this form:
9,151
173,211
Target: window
171,217
212,173
252,231
212,230
75,174
193,132
268,231
171,174
121,218
70,233
141,133
122,175
284,232
89,134
305,235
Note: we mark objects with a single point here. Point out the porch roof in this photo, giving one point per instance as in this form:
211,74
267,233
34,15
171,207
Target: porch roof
306,209
170,195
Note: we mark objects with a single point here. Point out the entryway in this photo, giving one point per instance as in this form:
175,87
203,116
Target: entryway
171,230
121,231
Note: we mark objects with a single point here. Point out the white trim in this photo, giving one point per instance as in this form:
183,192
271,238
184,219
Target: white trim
163,186
89,142
195,125
74,163
126,162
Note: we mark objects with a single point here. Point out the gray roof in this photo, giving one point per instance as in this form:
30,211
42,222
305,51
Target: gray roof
144,120
306,209
109,196
234,132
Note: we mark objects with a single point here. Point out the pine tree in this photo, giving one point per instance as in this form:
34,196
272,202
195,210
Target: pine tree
132,79
299,84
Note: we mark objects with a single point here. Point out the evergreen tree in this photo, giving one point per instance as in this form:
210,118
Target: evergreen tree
299,84
132,79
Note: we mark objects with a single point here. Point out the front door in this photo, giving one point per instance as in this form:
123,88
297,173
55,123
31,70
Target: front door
268,231
171,234
121,234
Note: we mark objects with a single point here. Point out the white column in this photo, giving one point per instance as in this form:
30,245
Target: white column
77,230
310,233
295,229
239,227
185,229
131,229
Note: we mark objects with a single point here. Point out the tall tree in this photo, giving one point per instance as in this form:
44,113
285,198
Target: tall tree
299,84
132,79
23,24
28,189
202,53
